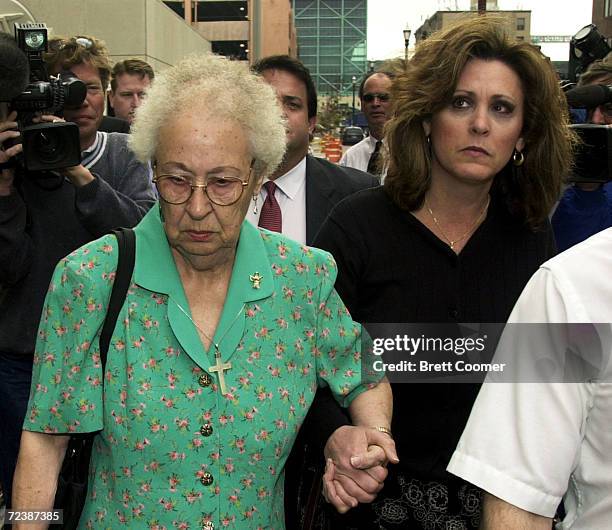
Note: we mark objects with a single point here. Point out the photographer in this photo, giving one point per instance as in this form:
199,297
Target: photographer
46,215
586,207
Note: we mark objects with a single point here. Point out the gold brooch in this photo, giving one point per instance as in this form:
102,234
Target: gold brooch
256,280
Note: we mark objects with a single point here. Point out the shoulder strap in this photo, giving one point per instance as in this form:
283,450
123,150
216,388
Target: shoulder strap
123,276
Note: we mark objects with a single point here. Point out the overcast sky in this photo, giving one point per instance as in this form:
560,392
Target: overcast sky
388,18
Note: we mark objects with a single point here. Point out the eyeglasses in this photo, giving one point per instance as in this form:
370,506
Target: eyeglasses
368,98
222,190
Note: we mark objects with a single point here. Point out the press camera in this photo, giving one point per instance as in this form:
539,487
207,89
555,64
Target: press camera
593,160
46,146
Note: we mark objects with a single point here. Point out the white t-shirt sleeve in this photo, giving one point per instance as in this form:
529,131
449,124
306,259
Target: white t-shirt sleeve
522,440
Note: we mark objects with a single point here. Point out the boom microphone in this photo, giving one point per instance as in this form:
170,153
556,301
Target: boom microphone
14,68
590,96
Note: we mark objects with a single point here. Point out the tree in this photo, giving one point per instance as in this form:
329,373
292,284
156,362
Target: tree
332,114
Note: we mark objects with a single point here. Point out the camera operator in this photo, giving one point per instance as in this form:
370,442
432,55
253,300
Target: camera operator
586,207
45,216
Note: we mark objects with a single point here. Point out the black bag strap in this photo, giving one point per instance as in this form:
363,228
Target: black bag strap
123,277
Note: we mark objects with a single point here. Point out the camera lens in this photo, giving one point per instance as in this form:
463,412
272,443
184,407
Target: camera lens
51,146
48,146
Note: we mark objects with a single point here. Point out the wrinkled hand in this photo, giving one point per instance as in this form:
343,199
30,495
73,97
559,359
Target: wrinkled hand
356,465
7,133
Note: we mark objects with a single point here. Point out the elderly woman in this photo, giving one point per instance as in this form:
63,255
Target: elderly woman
223,338
478,147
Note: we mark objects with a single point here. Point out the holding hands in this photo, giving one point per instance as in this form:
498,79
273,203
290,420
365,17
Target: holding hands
356,465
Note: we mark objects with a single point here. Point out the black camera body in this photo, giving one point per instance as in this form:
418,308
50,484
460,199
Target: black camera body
593,159
46,146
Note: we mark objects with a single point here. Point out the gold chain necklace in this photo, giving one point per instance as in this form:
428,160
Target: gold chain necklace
452,243
219,366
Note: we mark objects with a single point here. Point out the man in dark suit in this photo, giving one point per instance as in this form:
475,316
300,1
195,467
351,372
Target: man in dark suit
296,201
305,188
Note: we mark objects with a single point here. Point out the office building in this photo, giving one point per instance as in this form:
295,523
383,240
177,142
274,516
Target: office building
332,37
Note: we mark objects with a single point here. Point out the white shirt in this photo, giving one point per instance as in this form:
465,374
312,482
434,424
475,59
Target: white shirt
532,444
291,196
358,155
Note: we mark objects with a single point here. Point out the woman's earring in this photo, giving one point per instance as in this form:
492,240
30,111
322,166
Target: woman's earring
255,203
518,158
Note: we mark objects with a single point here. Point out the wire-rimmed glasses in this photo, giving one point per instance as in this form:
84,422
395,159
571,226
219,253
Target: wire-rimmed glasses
222,190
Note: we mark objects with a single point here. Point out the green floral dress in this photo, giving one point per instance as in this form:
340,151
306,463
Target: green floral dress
173,452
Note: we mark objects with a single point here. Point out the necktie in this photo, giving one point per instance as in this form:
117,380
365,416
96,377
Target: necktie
271,217
373,168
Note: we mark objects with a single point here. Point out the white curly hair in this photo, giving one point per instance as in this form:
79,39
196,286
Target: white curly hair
234,92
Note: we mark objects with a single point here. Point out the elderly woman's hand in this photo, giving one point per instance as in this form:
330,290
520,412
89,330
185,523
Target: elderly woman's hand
358,456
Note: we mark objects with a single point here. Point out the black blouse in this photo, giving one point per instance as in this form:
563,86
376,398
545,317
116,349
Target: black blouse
394,269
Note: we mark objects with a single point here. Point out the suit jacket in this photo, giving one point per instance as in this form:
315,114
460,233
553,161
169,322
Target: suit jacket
326,185
112,124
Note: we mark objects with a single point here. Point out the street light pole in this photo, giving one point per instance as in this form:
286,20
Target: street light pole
353,79
407,33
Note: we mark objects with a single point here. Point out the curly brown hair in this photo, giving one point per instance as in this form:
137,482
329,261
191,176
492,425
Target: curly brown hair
428,85
66,52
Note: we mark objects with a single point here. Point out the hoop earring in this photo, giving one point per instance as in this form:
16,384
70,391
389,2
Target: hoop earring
255,204
518,158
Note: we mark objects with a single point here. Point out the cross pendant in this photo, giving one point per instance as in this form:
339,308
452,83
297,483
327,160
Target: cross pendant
220,368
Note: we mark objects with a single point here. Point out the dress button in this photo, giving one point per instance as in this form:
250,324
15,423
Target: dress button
207,479
205,380
206,430
208,525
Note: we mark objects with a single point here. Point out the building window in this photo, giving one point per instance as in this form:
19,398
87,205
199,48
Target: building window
234,49
211,11
520,24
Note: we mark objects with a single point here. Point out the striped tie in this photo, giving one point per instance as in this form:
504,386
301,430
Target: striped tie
373,164
271,217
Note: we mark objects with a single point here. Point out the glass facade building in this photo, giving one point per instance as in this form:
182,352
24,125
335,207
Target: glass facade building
332,42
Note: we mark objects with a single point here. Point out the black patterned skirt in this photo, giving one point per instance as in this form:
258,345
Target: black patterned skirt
409,503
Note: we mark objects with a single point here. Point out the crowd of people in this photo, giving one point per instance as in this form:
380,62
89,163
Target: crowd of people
238,390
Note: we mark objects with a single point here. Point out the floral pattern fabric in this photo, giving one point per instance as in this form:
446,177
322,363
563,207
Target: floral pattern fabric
173,452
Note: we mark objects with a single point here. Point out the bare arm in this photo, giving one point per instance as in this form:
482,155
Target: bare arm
38,466
373,408
501,515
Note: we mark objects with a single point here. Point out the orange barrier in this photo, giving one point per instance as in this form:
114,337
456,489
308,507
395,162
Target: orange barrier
331,148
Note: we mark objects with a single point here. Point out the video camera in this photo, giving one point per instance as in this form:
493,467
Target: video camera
593,159
46,146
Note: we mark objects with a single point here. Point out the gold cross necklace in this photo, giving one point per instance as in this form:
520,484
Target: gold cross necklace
452,243
219,367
